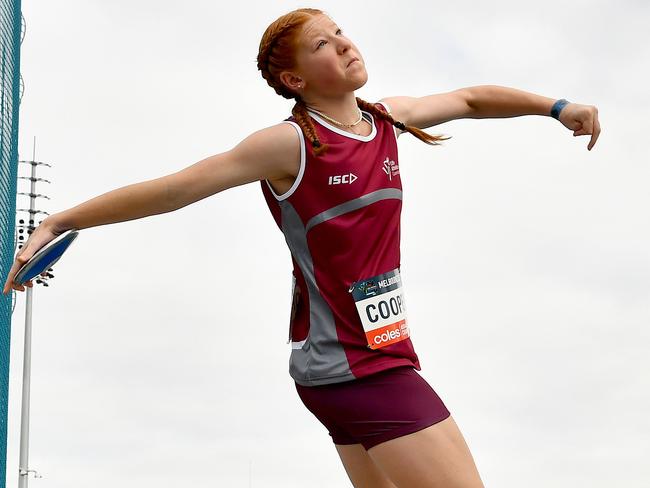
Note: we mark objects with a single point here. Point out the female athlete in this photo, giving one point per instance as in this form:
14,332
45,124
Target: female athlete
330,176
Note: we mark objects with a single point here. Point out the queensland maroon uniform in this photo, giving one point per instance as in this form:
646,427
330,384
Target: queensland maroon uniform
341,221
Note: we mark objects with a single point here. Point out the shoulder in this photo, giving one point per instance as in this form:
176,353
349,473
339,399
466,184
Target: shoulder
283,134
274,141
430,110
396,107
276,148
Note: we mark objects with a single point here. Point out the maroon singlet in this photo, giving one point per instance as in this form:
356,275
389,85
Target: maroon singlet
341,221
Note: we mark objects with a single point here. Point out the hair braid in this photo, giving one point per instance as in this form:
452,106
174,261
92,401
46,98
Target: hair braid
420,134
299,112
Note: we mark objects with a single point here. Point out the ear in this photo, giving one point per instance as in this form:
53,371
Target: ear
291,80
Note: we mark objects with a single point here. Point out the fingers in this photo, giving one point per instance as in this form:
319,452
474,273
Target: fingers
22,257
10,280
16,286
18,263
40,237
595,134
591,126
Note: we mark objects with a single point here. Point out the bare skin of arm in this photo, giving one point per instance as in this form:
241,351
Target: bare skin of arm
491,101
265,154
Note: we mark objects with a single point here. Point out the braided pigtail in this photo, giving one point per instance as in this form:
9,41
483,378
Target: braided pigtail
419,133
303,119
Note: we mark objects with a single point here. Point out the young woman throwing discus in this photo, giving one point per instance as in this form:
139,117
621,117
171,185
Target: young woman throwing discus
330,176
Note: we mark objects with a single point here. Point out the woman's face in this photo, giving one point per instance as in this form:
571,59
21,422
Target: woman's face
323,57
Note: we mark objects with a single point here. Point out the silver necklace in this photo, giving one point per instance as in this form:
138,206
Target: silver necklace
336,121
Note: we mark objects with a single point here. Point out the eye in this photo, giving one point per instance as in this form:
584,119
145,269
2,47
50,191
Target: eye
338,32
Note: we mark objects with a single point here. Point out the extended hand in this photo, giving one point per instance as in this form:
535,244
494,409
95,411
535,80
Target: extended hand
582,120
43,234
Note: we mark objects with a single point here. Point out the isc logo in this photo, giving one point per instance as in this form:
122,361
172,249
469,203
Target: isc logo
339,179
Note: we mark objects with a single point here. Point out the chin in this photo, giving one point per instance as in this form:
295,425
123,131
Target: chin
361,82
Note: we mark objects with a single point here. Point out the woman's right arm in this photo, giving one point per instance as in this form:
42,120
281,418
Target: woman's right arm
265,154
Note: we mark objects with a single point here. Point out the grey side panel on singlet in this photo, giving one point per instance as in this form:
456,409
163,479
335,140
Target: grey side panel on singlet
321,356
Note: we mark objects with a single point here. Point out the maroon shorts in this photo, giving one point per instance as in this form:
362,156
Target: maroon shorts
375,408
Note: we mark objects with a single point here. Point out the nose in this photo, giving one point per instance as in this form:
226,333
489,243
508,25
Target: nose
344,44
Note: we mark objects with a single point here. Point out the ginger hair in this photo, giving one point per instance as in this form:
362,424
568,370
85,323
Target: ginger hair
277,54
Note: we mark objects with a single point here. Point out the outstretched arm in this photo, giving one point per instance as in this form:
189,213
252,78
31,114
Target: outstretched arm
265,154
491,101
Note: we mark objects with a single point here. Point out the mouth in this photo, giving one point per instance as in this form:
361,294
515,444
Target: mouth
352,61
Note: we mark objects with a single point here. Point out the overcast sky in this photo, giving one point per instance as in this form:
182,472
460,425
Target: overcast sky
159,350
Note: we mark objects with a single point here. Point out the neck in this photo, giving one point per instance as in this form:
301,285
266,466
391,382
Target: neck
343,108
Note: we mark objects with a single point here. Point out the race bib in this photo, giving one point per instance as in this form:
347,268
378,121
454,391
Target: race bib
380,305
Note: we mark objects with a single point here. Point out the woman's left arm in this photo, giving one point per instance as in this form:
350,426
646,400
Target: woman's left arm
491,101
485,101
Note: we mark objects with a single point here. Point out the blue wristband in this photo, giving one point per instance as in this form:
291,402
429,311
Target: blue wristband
557,108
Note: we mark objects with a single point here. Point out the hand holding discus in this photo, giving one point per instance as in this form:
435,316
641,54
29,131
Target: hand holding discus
44,247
